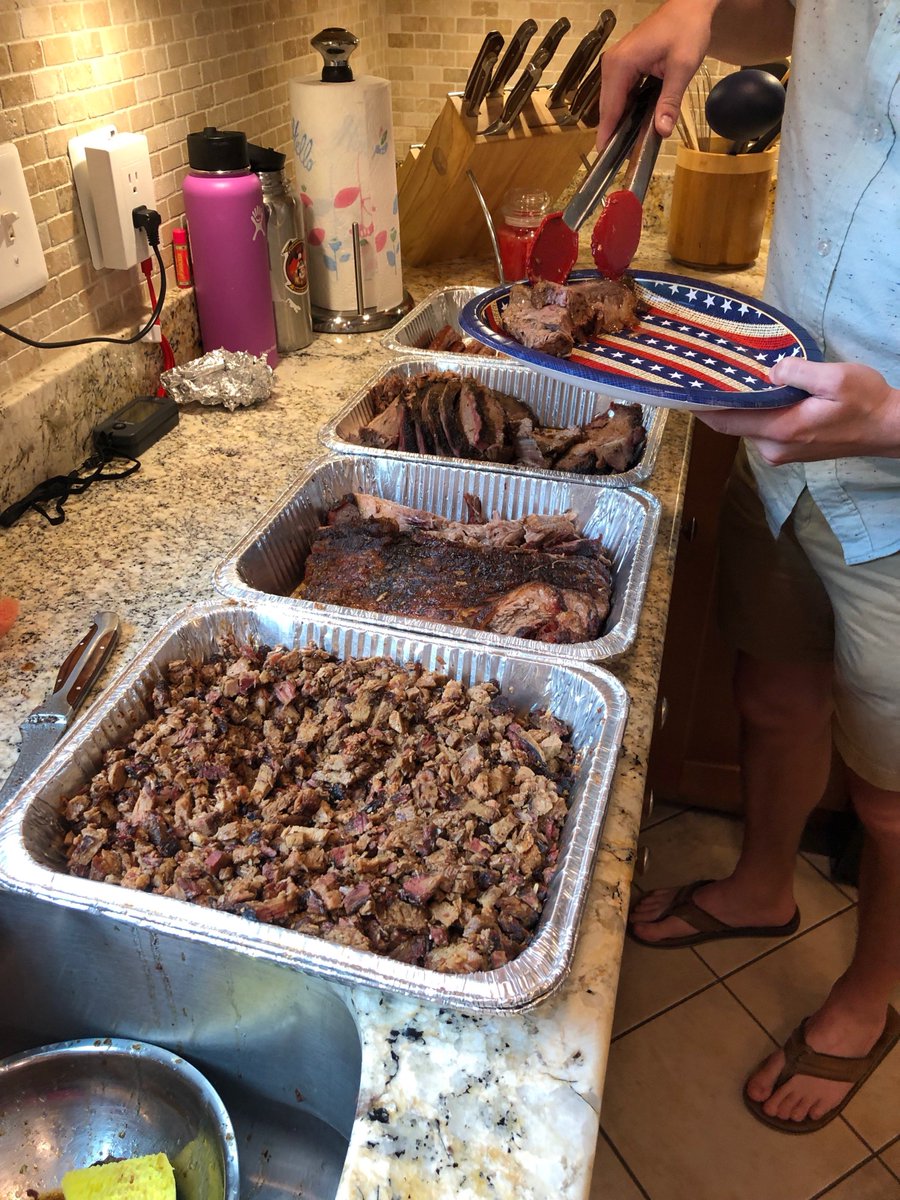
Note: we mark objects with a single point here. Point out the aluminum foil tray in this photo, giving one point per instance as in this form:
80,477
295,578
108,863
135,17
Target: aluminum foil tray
437,310
589,700
555,403
269,561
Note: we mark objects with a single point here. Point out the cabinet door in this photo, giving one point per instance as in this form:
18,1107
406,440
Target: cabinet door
694,758
696,722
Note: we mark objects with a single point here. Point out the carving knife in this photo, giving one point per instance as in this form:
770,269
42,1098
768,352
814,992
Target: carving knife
480,74
515,52
582,57
530,77
46,724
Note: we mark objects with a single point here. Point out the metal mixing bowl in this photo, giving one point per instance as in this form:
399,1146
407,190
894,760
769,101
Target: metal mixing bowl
77,1103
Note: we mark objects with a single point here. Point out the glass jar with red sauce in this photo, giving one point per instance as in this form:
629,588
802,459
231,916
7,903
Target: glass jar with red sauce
523,212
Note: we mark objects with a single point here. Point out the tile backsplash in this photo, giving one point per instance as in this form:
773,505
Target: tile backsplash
165,67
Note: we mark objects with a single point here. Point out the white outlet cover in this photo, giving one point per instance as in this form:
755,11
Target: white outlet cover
78,160
22,266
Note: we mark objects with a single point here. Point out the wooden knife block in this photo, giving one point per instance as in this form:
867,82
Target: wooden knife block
440,217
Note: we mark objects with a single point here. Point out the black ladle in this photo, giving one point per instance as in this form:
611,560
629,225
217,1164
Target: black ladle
744,106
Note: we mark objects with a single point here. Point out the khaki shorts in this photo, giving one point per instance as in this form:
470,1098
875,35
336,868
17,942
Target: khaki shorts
794,599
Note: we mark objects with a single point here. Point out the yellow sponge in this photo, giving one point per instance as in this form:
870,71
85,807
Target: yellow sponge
147,1178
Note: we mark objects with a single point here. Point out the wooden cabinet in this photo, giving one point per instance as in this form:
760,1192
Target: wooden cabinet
694,758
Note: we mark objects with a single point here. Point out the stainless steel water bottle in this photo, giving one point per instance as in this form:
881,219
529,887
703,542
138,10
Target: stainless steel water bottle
287,251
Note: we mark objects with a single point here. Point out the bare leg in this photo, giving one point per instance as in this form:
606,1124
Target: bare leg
785,713
852,1018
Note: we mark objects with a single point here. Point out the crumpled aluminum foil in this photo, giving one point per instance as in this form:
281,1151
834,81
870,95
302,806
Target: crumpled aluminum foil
232,378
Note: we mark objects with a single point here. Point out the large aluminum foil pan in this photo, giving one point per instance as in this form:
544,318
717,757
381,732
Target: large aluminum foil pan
435,311
555,402
269,561
588,699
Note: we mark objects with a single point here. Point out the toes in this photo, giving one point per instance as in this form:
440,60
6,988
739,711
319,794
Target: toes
661,931
762,1081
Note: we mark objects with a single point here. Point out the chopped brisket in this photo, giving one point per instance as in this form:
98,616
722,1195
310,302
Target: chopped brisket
437,850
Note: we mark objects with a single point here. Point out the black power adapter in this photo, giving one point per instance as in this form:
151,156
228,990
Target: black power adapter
137,425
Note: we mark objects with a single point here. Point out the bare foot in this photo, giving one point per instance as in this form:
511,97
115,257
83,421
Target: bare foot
807,1096
721,899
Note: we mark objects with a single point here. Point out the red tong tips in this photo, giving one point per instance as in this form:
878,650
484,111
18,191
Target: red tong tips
617,233
554,251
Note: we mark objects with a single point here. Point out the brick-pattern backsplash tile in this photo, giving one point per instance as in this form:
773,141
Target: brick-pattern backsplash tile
165,67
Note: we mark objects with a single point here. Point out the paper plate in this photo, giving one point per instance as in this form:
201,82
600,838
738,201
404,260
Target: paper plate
699,346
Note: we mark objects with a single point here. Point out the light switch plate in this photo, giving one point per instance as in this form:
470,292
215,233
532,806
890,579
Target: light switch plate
22,266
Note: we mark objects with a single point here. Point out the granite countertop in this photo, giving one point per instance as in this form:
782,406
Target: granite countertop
469,1106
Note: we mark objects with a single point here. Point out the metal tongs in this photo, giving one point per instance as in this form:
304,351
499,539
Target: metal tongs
555,248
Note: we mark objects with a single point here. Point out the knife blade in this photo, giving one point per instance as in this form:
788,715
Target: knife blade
530,77
581,59
515,52
480,74
46,724
587,93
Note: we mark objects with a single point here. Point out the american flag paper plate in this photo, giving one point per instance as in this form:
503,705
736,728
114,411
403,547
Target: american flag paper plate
698,346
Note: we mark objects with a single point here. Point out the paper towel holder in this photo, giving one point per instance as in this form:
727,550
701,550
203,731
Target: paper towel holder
336,45
362,319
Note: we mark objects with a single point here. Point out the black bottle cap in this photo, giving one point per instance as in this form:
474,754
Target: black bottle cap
265,158
218,150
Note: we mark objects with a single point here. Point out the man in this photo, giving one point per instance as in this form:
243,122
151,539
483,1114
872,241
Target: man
810,548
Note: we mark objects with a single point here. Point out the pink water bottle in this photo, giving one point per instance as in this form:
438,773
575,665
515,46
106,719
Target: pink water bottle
226,217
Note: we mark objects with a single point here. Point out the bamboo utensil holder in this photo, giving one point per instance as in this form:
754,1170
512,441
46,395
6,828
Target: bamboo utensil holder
719,206
440,218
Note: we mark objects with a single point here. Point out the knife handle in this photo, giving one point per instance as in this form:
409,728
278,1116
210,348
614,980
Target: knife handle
587,93
479,76
86,660
550,43
582,57
515,52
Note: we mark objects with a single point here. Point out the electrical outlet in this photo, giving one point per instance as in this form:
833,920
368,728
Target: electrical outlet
120,179
22,266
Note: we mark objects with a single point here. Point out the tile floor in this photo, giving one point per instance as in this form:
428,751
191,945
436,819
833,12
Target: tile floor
691,1023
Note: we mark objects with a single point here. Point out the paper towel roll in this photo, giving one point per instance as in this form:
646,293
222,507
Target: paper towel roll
346,172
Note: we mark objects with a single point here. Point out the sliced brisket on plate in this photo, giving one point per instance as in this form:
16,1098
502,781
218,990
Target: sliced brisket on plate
553,318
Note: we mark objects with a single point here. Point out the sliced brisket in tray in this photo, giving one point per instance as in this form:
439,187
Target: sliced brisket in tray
446,414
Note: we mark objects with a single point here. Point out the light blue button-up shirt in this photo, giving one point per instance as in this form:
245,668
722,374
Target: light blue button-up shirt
835,259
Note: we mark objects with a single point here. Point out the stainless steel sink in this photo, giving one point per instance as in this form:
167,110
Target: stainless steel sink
281,1048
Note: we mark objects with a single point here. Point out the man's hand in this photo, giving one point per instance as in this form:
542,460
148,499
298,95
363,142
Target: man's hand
670,44
850,411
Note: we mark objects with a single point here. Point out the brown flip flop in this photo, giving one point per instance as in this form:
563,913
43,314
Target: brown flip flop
801,1059
708,928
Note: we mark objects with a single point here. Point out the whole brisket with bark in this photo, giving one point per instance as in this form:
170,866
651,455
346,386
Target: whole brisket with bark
536,577
441,412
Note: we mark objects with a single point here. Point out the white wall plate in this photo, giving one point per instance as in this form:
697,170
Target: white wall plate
22,266
78,160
